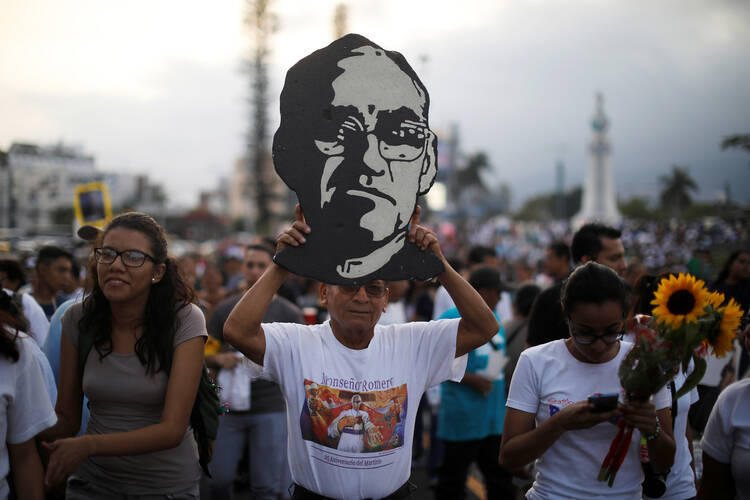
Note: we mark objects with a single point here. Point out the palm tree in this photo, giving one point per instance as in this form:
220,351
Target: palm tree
470,174
738,141
676,187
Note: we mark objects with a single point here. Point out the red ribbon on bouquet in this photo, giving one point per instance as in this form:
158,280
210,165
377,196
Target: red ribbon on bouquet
617,452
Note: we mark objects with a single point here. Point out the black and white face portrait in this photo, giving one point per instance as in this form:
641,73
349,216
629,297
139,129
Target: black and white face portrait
355,145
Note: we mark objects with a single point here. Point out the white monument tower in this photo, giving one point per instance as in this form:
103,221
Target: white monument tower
599,203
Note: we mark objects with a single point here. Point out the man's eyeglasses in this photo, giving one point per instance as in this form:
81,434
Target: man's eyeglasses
588,337
130,258
373,290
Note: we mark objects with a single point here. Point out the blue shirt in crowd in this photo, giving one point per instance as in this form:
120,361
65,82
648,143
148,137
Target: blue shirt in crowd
465,414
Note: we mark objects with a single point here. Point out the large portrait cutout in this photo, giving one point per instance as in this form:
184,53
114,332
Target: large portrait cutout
354,143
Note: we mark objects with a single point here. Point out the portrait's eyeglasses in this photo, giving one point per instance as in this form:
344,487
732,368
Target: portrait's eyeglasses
588,337
130,258
398,140
373,290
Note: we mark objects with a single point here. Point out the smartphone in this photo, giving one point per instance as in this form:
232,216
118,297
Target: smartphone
603,402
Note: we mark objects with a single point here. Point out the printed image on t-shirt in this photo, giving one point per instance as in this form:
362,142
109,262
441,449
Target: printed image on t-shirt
354,422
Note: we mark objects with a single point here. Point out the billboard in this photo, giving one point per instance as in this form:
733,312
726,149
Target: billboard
91,204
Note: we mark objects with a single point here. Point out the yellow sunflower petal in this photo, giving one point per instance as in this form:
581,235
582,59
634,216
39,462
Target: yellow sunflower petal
731,314
714,299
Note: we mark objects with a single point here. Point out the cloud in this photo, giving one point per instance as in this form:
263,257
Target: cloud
157,87
185,136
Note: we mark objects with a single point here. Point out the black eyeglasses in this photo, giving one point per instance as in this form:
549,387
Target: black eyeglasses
373,290
608,336
130,258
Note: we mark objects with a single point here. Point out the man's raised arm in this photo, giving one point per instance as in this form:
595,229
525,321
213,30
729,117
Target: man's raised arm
478,323
242,328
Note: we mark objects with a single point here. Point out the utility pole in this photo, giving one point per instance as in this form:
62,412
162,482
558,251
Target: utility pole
261,24
340,18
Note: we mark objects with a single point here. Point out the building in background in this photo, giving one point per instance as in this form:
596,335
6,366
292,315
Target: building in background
39,183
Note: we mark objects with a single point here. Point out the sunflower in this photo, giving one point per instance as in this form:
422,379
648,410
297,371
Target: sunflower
714,299
730,321
679,299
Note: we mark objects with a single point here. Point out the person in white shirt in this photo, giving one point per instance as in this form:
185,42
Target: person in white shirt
25,410
389,367
38,323
726,442
549,419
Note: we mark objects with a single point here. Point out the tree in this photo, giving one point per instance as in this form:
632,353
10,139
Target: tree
636,207
470,175
542,207
676,186
739,141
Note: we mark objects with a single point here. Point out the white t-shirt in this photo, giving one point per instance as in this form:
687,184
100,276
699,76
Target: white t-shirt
727,435
319,376
681,480
49,378
25,408
547,379
38,323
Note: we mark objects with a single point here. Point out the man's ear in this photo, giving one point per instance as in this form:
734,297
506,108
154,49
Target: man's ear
429,165
585,259
323,294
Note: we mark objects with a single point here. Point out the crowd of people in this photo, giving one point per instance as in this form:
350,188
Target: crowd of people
101,368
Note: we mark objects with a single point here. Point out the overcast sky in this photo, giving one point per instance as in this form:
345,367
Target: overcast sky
157,87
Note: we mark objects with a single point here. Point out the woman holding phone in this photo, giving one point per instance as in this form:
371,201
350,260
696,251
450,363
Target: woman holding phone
549,416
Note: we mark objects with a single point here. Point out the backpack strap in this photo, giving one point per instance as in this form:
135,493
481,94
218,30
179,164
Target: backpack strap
673,391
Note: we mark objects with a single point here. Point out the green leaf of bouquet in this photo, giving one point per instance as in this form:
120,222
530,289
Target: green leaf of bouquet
693,378
686,362
693,334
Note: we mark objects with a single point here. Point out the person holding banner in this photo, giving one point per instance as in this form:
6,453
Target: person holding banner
354,361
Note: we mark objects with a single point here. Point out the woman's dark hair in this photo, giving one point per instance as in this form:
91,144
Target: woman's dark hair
14,317
8,331
13,271
165,299
594,283
724,273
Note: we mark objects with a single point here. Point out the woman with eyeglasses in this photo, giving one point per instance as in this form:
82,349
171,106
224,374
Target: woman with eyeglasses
143,324
549,418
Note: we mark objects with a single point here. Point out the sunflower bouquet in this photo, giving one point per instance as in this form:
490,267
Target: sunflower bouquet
687,321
